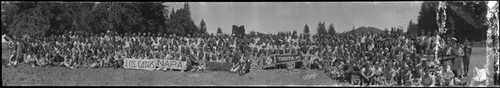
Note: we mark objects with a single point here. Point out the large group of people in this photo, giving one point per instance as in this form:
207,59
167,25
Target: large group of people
390,58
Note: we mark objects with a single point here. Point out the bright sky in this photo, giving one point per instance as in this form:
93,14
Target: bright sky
272,17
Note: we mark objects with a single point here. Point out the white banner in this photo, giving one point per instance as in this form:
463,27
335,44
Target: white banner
154,64
171,64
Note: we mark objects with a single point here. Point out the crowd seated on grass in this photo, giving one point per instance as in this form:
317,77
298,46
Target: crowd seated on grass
388,58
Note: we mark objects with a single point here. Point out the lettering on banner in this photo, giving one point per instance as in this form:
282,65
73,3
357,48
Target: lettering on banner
161,63
152,64
286,58
172,64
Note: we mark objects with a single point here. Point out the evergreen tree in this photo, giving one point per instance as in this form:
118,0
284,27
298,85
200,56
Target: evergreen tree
306,29
321,28
180,22
331,30
203,27
219,30
241,30
234,31
427,17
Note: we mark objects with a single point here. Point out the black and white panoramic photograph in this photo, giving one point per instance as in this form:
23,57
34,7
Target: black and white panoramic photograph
251,44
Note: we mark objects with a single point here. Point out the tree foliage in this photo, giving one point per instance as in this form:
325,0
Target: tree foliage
8,12
427,17
219,30
54,18
331,30
321,28
238,30
465,19
203,27
412,28
180,22
30,22
306,29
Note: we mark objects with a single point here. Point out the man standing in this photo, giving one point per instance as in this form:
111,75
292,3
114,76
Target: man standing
466,58
420,43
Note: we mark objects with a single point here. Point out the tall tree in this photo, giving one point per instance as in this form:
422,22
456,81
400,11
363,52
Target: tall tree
234,31
180,22
219,31
393,30
306,29
427,17
331,30
241,30
203,27
238,31
321,28
410,29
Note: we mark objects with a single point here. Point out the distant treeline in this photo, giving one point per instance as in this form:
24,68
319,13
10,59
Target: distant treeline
465,19
53,18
